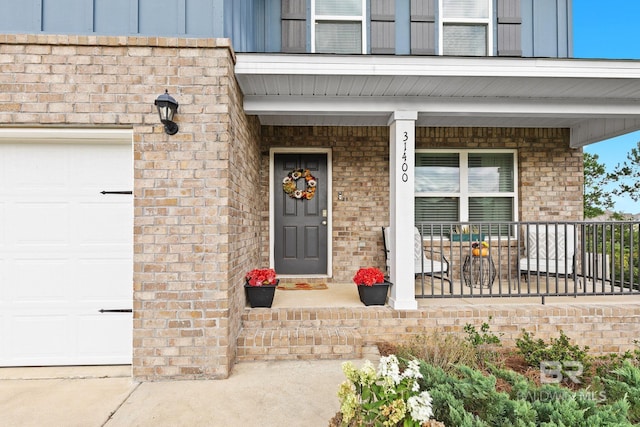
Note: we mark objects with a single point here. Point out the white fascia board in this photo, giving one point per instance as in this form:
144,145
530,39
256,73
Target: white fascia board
367,65
480,107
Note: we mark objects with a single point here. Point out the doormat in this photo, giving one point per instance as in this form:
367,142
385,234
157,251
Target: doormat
302,286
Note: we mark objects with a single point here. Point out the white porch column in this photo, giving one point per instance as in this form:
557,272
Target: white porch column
402,218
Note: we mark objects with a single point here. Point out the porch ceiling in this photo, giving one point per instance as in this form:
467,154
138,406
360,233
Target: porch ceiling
596,99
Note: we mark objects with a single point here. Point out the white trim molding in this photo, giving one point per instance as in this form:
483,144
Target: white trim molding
57,135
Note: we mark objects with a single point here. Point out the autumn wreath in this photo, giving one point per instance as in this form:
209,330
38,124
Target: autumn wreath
289,184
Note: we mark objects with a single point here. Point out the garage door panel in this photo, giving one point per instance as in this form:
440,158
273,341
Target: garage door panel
27,164
109,345
50,337
113,168
4,330
4,285
39,280
3,226
39,223
104,280
107,223
65,252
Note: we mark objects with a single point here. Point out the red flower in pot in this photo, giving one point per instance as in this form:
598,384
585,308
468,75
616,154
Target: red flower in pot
368,276
261,276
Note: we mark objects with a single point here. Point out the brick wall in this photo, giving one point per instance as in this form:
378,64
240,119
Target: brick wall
550,178
550,173
191,203
244,216
604,327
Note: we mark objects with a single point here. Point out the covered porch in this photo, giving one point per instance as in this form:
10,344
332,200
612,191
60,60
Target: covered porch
589,100
586,284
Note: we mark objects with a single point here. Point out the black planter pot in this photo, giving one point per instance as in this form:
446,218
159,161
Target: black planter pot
260,296
374,295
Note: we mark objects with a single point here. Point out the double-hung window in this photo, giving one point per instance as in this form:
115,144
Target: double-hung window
465,185
338,26
465,27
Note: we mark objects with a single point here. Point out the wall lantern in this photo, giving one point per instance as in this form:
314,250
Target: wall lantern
167,107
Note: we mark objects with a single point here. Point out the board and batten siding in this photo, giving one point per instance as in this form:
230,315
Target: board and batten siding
114,17
546,28
528,28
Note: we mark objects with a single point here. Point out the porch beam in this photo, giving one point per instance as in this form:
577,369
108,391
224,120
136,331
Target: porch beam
402,218
443,106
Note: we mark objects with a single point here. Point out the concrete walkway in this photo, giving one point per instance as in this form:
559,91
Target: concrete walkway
285,393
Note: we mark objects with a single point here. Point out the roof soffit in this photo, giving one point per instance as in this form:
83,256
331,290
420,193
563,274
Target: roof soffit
512,92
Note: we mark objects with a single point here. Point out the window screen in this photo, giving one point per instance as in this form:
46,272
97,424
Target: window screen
465,40
339,7
338,37
456,9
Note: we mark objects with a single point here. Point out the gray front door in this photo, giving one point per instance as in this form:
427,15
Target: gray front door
300,238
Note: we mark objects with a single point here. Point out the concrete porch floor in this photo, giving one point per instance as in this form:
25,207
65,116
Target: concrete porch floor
346,295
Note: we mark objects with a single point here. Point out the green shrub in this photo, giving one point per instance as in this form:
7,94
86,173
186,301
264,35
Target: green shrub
624,383
470,394
439,349
469,398
484,342
609,362
559,349
485,336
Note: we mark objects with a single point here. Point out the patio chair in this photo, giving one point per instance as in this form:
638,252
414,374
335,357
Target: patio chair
549,250
422,264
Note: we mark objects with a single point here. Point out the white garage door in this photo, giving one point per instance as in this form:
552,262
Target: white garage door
66,249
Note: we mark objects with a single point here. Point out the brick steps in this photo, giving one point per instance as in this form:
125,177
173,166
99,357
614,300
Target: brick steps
299,343
306,333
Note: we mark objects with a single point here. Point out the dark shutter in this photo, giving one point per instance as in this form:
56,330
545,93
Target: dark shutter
383,26
423,27
294,26
509,28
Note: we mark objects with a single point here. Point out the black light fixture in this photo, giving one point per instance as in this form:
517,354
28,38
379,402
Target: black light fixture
167,107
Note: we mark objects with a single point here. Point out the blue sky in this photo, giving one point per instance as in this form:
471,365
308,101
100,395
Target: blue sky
609,30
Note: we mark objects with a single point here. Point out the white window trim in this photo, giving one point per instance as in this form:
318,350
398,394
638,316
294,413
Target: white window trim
351,18
487,21
463,195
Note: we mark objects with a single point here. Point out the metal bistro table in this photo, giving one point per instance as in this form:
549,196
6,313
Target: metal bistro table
478,271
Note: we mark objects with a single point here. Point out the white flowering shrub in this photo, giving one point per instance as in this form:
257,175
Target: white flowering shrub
384,397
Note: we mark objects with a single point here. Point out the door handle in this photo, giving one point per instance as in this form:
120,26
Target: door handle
324,222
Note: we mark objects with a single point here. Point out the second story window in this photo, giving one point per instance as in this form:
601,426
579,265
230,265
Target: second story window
465,27
338,26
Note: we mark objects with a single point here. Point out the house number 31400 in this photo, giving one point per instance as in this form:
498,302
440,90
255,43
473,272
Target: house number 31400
405,165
